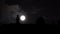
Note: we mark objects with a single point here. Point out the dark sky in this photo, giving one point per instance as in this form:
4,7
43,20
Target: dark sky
47,8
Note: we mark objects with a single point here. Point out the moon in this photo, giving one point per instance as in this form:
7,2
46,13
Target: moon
22,17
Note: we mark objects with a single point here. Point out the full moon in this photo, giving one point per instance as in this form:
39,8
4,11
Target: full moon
22,17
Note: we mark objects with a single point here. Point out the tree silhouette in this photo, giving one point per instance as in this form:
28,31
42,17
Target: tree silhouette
40,20
17,19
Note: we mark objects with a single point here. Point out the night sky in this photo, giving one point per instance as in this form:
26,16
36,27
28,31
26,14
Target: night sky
34,9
